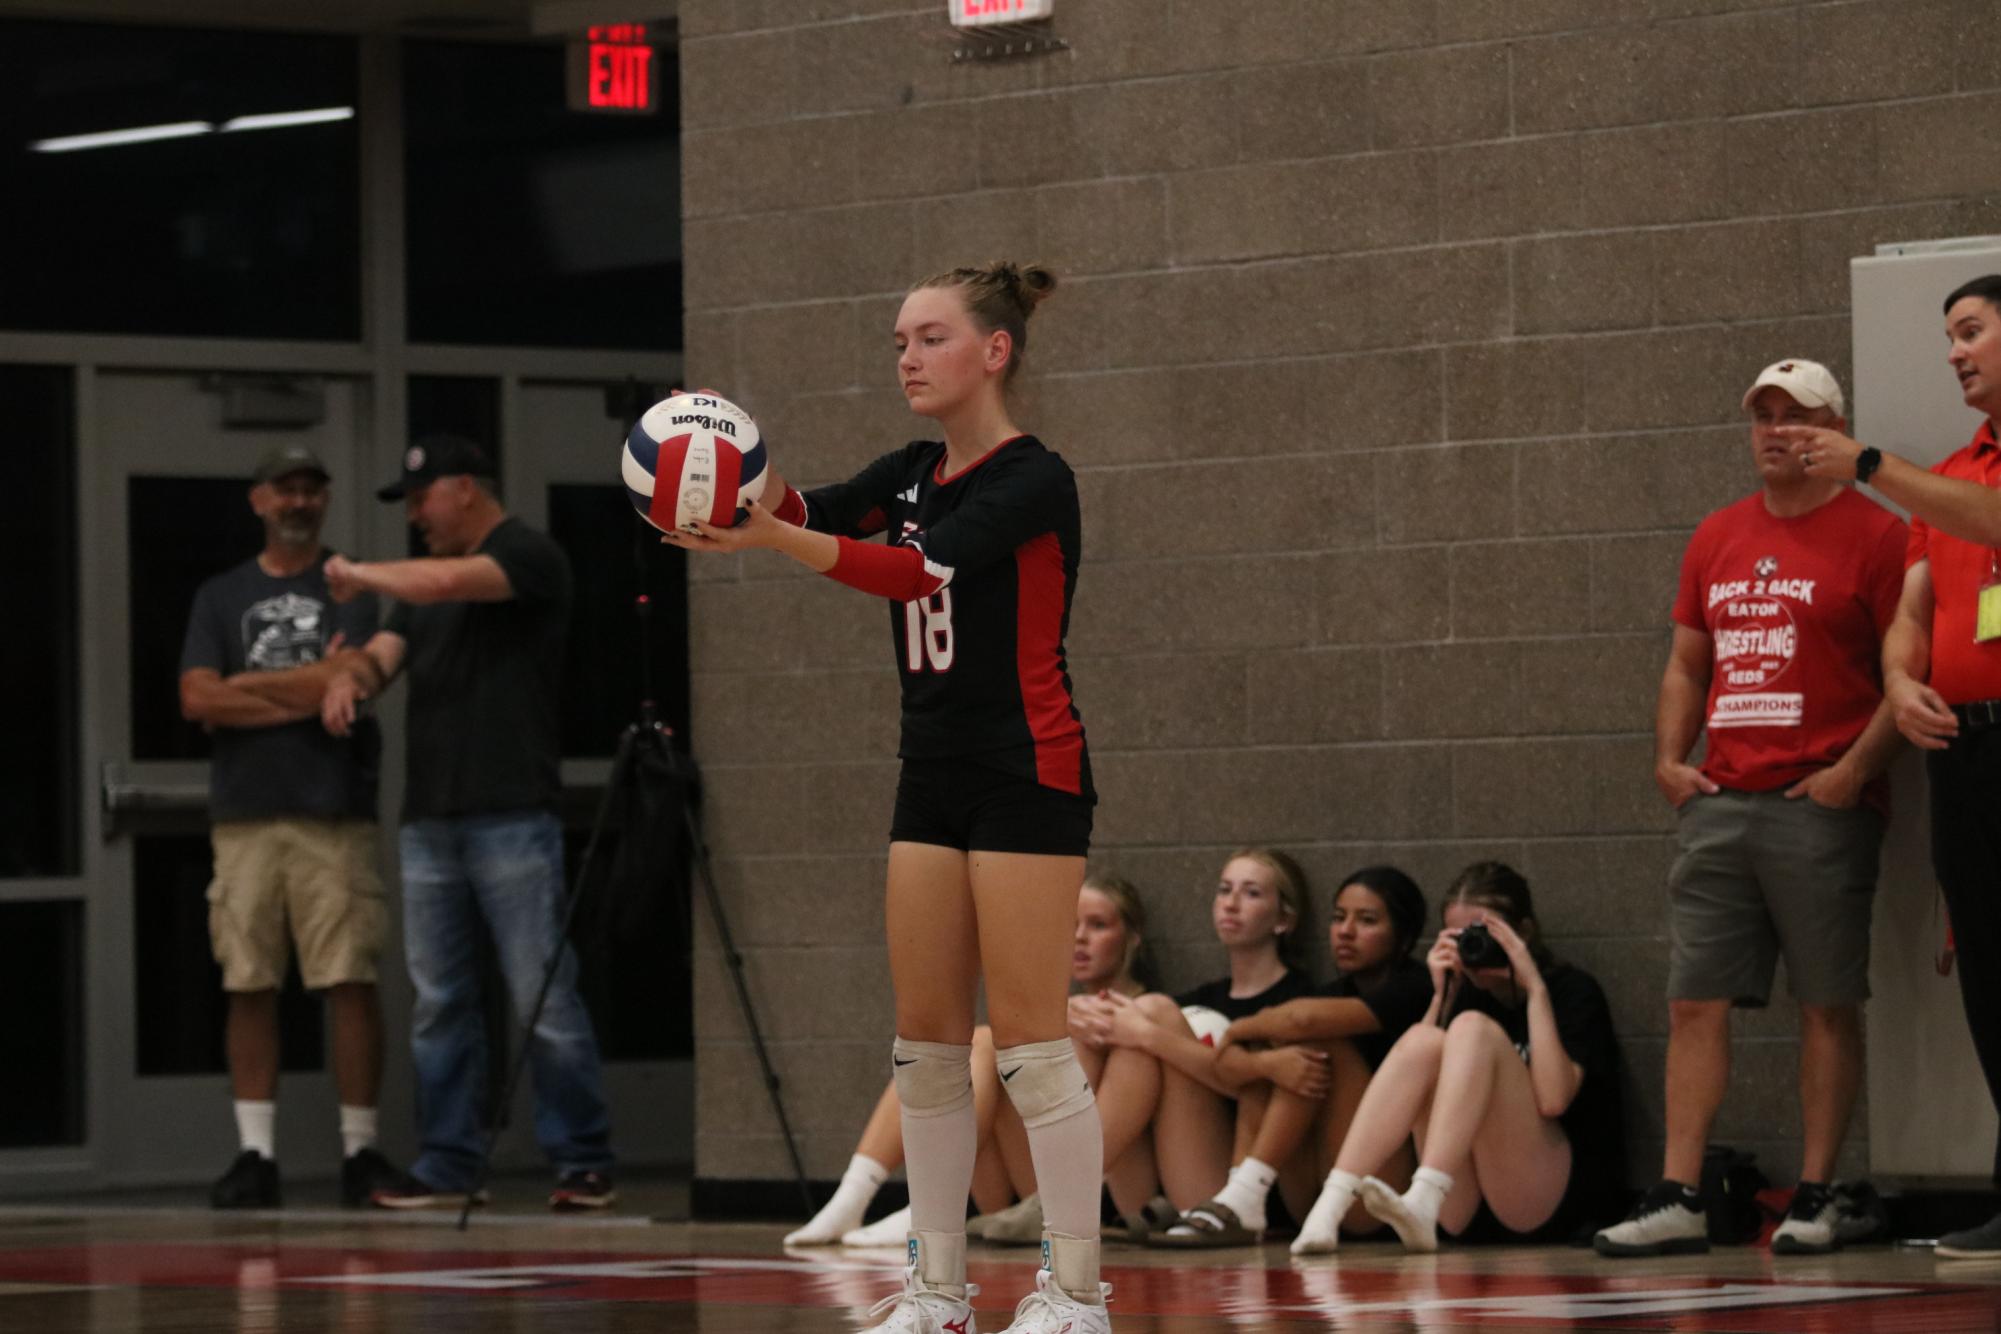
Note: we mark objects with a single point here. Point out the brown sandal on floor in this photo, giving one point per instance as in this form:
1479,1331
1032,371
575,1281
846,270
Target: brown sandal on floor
1212,1226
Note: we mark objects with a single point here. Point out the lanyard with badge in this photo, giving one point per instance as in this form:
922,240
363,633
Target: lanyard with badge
1987,615
1987,609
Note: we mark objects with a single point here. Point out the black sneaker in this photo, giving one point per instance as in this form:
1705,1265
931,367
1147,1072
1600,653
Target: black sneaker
400,1190
1860,1213
250,1183
1974,1243
364,1172
577,1191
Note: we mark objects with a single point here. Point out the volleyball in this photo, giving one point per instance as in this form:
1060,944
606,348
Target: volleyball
1208,1024
693,456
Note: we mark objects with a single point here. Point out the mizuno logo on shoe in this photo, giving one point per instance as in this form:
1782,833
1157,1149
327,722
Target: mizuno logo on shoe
956,1326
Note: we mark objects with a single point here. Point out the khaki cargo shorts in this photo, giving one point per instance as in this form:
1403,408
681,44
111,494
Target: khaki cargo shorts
305,883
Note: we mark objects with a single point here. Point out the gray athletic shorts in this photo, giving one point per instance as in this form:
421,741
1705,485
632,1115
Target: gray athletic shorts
1760,875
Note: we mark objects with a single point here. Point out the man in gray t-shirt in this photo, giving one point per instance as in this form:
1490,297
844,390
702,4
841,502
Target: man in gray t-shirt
292,815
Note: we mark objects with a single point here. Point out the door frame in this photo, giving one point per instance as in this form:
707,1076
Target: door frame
379,365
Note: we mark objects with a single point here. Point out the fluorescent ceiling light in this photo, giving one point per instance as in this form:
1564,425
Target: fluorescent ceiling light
143,134
278,120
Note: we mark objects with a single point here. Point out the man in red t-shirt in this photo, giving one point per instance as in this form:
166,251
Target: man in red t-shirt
1785,597
1942,667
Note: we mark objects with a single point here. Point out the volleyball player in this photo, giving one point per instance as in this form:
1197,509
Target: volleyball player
993,807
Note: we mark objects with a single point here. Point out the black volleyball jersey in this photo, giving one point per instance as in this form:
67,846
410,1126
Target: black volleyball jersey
980,640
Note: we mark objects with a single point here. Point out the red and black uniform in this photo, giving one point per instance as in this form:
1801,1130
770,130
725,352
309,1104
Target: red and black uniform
979,568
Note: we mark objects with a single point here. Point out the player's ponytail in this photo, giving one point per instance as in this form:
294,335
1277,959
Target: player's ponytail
1001,295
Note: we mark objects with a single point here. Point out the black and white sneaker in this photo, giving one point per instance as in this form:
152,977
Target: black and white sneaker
1668,1220
1809,1226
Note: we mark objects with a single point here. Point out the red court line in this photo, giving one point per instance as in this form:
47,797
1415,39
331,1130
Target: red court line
1347,1294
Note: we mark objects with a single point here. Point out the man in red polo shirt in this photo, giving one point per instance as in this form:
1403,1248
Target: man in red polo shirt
1785,596
1942,666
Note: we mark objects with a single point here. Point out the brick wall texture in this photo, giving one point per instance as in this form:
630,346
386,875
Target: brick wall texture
1399,350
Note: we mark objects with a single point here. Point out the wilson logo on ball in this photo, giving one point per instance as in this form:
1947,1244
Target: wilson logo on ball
693,457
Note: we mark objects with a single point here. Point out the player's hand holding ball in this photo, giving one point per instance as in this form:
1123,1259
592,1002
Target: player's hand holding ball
694,465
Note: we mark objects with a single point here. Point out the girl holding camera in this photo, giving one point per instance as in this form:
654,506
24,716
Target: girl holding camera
1510,1088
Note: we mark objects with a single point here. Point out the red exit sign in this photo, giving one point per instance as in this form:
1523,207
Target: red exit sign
614,68
981,13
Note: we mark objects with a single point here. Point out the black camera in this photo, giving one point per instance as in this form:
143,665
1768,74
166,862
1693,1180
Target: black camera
1479,949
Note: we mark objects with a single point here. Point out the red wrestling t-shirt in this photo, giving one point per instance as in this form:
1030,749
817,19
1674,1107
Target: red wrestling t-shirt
1795,610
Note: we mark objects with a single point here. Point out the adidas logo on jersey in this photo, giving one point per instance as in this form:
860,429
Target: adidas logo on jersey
910,495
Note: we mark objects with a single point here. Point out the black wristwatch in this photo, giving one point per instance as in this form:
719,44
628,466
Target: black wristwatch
1866,463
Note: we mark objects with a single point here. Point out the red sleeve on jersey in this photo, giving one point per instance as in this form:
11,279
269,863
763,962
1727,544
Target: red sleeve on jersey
900,574
792,509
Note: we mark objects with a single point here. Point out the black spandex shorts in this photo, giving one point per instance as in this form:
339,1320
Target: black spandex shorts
961,803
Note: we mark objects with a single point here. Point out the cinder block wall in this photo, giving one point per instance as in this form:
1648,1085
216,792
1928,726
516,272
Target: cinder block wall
1399,350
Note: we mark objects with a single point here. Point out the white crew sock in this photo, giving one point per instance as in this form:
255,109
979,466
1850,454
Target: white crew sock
1321,1232
1245,1192
1428,1189
257,1127
357,1129
843,1213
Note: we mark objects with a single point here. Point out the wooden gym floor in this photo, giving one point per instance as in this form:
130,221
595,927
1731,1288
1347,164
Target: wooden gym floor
159,1263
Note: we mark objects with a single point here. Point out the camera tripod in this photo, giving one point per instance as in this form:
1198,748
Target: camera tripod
645,752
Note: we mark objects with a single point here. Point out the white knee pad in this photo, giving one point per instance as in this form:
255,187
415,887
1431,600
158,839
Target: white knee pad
1044,1081
932,1078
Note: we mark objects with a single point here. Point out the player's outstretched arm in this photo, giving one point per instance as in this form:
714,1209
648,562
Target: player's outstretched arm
762,530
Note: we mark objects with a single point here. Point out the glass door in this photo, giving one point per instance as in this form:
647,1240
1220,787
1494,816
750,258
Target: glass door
165,505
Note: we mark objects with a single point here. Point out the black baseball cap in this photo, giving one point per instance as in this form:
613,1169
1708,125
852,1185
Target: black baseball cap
437,456
286,460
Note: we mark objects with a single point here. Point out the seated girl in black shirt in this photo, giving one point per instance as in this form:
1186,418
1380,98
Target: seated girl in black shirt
1159,1075
1510,1088
1350,1023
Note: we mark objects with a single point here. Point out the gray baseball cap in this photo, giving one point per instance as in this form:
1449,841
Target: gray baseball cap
286,460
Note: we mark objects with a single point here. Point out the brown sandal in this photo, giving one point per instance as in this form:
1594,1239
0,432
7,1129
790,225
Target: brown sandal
1210,1226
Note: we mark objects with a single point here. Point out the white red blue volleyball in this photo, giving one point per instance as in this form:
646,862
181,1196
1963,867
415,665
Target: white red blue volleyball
1208,1025
693,456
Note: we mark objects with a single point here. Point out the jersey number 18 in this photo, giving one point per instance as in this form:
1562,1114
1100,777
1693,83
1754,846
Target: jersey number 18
927,631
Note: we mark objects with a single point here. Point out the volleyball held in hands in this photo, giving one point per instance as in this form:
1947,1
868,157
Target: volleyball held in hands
693,457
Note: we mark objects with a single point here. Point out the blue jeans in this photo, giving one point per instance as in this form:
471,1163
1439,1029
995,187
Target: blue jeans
508,870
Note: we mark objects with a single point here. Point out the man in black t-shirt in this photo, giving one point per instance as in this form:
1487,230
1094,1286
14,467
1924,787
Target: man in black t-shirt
292,812
480,627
